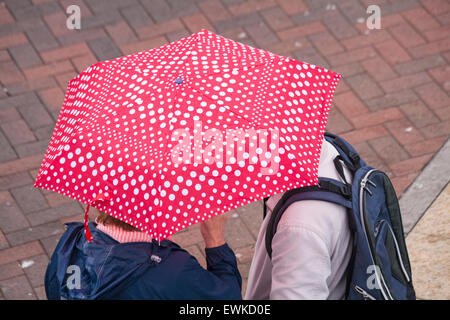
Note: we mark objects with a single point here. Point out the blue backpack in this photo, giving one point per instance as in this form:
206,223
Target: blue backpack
379,268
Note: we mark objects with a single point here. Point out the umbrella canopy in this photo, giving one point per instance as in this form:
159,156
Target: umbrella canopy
172,136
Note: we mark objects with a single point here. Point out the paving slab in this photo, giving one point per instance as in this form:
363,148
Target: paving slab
429,250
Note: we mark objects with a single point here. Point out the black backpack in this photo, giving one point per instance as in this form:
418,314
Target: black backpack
379,268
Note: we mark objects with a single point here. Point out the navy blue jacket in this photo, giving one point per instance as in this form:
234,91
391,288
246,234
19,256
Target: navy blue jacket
107,269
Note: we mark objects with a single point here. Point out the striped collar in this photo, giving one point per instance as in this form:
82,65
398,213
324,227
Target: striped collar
123,236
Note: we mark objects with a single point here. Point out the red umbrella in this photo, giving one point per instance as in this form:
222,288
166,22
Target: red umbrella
172,136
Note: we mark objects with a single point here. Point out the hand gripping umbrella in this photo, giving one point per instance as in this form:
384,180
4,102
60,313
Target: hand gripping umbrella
166,138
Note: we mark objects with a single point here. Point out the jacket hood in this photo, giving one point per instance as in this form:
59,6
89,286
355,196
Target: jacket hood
102,267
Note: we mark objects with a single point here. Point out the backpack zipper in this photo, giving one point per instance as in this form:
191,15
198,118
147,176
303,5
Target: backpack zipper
366,181
364,293
378,227
397,248
384,291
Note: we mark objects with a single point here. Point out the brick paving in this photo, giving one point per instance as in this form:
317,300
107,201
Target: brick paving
392,104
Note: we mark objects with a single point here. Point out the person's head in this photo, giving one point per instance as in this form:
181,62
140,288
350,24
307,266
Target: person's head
106,219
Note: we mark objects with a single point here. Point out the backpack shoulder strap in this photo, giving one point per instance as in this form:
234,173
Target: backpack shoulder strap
330,190
265,207
346,151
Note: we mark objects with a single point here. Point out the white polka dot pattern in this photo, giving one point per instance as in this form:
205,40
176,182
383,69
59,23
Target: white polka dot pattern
122,121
